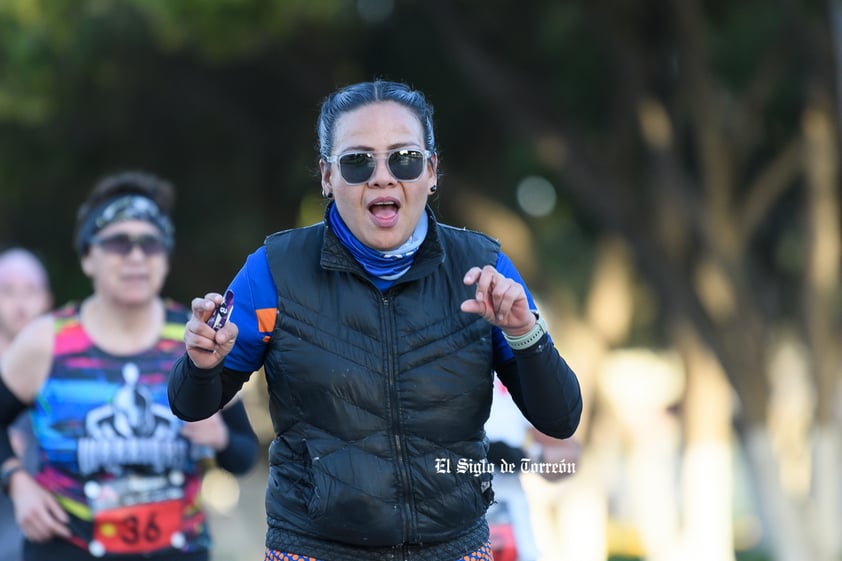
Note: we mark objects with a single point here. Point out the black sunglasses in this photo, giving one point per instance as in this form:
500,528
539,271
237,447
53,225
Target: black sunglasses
405,164
123,244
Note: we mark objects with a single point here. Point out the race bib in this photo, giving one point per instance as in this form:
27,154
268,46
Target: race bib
136,514
138,529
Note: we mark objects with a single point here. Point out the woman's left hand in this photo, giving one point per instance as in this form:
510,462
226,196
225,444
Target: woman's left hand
500,300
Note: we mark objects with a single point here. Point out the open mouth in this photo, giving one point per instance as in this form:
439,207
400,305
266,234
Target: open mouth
384,212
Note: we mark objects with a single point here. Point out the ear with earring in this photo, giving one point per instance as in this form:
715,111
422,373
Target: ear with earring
433,189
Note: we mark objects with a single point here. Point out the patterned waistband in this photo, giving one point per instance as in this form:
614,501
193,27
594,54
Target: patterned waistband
482,554
319,549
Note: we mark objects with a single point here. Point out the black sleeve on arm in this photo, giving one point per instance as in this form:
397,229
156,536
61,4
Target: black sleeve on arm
241,453
10,408
197,393
544,388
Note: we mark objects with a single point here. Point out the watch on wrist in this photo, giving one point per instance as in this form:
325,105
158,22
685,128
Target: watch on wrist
529,338
6,476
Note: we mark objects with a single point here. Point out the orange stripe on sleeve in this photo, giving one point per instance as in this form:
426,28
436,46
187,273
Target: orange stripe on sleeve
266,319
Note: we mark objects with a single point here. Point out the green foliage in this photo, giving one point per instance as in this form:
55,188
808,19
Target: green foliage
233,29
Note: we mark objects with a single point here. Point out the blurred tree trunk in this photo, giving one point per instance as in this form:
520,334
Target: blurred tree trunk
820,295
707,467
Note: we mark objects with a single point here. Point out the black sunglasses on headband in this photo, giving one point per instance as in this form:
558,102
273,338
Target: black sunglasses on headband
405,164
124,244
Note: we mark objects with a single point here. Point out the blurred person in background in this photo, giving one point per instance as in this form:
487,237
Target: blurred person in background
24,292
380,330
119,476
507,430
549,502
24,295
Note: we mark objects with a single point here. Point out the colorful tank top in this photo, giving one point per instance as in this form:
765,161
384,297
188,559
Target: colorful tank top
110,449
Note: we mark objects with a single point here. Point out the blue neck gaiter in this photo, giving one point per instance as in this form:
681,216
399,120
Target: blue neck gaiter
389,265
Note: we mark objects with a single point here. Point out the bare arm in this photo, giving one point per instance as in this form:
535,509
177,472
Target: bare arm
24,368
27,362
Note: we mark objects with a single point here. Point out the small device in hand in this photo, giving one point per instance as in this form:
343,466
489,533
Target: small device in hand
220,315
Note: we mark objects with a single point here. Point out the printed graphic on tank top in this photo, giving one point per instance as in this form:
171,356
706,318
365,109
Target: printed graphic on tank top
112,448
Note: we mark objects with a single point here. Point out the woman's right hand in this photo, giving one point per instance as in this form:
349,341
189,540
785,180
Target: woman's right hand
37,512
206,347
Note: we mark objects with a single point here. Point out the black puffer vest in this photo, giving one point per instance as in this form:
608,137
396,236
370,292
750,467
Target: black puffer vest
377,397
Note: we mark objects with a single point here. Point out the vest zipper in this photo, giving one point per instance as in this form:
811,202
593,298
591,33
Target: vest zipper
408,505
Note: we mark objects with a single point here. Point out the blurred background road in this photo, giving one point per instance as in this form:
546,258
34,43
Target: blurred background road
238,529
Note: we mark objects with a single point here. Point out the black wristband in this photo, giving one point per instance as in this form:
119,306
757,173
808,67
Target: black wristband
6,476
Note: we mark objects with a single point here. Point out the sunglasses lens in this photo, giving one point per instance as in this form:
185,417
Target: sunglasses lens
406,165
122,244
357,168
152,245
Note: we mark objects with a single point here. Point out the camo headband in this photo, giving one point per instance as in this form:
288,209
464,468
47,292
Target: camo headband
127,207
